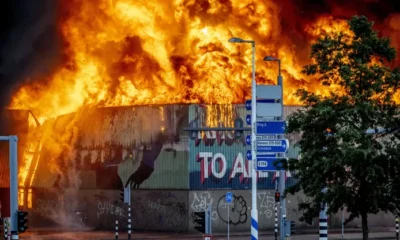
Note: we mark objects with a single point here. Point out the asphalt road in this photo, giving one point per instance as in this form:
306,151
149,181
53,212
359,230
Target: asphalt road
111,236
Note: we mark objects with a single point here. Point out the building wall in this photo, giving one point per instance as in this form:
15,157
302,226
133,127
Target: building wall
151,209
218,160
164,210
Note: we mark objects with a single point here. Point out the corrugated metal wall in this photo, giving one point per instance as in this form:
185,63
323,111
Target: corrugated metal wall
217,159
117,136
108,144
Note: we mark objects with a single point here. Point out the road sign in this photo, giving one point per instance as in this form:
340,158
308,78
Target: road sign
269,91
269,109
267,137
273,146
274,127
248,140
262,154
248,119
265,163
248,155
228,197
248,105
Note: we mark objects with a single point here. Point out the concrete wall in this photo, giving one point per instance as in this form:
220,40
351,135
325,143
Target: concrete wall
240,209
98,209
167,210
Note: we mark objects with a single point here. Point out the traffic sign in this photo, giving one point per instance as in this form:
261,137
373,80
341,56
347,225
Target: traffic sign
248,140
275,146
262,154
273,127
248,119
248,155
228,197
269,91
269,109
266,163
248,105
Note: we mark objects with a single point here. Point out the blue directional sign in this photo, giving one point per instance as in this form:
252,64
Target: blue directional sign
248,140
248,119
262,155
248,105
273,127
248,155
273,146
265,163
228,197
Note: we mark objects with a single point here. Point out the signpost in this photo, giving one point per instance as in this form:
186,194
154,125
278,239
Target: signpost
273,146
248,119
228,199
248,140
272,127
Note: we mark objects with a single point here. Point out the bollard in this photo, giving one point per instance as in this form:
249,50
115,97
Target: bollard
129,223
323,224
276,222
116,229
397,228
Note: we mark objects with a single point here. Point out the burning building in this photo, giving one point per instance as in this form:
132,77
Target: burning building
128,76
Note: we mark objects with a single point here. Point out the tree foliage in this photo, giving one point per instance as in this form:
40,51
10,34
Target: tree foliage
360,170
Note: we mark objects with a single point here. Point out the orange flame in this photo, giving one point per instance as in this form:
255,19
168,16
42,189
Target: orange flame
127,52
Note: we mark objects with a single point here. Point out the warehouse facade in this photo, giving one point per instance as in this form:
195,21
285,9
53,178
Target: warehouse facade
76,164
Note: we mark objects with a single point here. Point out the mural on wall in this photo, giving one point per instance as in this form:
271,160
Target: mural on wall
218,159
107,148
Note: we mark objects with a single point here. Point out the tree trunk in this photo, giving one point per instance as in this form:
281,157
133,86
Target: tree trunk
364,222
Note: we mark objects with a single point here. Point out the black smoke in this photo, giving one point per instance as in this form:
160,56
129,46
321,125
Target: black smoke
30,43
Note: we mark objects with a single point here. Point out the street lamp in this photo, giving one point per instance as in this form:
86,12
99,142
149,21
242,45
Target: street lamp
281,172
254,212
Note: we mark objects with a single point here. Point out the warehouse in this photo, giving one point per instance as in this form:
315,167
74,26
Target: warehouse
73,167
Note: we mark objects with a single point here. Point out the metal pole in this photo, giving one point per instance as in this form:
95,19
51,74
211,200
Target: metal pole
14,186
281,172
342,223
276,221
228,219
116,229
397,228
129,213
276,208
323,221
254,211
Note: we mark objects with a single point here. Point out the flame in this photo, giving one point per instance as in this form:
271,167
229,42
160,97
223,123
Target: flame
126,52
156,52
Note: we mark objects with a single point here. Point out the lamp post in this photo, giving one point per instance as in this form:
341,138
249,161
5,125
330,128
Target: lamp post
254,211
282,215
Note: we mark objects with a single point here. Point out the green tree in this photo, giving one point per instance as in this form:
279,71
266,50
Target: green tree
360,170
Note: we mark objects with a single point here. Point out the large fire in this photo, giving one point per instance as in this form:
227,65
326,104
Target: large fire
130,52
127,52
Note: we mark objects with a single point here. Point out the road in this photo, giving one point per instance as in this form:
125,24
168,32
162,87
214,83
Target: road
137,236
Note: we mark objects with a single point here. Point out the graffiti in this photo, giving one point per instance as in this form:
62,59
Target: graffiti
237,210
216,165
201,201
107,208
267,204
163,210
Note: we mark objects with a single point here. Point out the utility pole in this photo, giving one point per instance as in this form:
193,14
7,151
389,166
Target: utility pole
13,143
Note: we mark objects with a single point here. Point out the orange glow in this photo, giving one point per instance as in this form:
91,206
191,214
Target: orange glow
29,198
21,197
125,52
